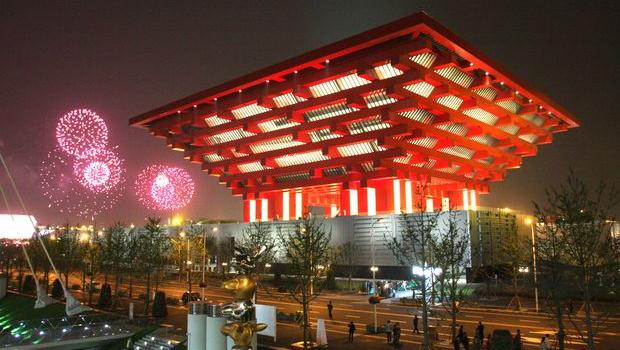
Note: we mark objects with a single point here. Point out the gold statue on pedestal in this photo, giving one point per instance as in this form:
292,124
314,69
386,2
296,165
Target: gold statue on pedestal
241,310
242,333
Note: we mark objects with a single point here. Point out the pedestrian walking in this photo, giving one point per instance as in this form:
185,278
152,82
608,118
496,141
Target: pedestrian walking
542,344
480,331
465,341
330,308
547,344
351,331
459,336
517,343
457,343
396,340
388,331
488,342
415,324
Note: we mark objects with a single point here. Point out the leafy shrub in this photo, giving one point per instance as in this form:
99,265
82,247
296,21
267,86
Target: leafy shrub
57,292
105,297
501,339
159,305
330,280
28,285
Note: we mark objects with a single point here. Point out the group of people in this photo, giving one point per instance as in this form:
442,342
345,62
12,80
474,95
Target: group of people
462,339
392,331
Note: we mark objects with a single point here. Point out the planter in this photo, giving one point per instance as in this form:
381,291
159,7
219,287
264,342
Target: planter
370,329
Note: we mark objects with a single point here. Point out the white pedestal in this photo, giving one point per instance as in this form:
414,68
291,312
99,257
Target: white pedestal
215,339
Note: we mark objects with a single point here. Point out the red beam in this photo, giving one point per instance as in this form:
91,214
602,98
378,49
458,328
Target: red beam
430,172
340,161
438,154
371,135
305,106
305,127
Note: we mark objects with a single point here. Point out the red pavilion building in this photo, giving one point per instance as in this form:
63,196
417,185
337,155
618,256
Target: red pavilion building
403,117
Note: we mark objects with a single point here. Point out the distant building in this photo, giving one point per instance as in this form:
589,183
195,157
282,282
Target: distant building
17,226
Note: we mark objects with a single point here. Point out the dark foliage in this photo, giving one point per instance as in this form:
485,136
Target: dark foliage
57,292
159,305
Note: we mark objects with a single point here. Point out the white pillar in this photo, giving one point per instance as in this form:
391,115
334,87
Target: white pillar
353,207
264,209
286,205
333,210
371,197
408,197
215,339
252,210
196,325
396,188
298,212
429,205
472,200
465,200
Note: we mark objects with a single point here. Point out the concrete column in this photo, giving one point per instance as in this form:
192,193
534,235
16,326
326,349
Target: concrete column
215,340
196,324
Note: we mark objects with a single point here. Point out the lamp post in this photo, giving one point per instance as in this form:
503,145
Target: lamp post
374,268
204,259
530,222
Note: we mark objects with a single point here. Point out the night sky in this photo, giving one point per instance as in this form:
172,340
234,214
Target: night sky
124,58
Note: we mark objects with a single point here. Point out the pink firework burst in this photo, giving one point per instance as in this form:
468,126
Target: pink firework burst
80,131
99,170
164,188
65,194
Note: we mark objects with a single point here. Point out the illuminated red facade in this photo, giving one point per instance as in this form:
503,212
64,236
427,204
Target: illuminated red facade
400,117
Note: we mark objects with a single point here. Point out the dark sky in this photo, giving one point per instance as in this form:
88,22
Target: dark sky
124,58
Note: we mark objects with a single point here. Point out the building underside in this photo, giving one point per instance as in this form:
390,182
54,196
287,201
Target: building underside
403,117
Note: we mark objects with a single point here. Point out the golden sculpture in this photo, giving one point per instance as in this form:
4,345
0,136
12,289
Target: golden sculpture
241,310
242,286
242,333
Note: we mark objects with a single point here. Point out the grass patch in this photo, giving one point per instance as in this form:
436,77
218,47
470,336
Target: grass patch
15,308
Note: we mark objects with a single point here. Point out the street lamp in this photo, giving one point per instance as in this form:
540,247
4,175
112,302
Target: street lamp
204,257
374,270
530,222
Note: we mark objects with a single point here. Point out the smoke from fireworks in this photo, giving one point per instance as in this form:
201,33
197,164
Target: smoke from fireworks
80,131
163,188
66,194
99,170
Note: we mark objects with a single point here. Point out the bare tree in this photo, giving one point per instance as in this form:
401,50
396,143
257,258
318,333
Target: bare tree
552,257
115,246
68,252
346,255
450,248
582,217
130,259
153,250
413,248
514,256
254,237
306,249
